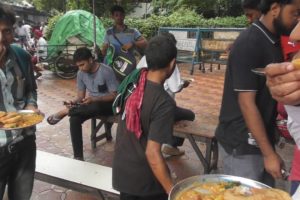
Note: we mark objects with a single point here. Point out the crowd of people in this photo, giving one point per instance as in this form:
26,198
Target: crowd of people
32,40
145,103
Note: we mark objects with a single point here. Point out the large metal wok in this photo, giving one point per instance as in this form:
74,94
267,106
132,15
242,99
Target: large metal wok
188,182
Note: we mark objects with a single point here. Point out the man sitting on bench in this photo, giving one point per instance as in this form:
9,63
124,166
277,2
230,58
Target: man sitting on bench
100,83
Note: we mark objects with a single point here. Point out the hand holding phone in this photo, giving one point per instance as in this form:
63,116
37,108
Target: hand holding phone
71,104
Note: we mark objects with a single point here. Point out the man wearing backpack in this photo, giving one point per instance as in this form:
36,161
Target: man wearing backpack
122,39
145,123
17,91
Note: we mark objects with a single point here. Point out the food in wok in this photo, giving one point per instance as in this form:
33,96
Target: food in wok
230,191
18,120
240,193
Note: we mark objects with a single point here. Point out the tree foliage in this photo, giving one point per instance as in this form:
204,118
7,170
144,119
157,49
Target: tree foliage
208,8
180,18
102,7
183,18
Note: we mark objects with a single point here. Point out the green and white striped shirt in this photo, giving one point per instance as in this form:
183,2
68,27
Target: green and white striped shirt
14,95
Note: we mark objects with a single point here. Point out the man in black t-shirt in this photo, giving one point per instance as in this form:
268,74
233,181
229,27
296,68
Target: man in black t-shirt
247,118
139,169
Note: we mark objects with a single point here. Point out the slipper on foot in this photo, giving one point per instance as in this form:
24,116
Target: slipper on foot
52,119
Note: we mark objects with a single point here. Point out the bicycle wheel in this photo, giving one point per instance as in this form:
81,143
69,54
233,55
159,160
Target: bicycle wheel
65,68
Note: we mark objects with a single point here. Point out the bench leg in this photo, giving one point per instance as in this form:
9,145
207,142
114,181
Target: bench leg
99,193
94,129
199,154
215,151
93,133
210,161
212,153
208,152
202,67
107,127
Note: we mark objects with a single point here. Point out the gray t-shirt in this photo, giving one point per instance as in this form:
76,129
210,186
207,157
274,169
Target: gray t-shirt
97,84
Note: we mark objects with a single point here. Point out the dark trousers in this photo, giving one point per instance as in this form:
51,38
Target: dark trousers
181,114
17,170
80,114
294,187
124,196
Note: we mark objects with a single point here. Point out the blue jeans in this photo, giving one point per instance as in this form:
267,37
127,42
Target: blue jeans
294,187
248,166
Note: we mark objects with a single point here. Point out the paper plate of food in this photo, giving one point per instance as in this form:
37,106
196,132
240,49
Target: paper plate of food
19,119
224,187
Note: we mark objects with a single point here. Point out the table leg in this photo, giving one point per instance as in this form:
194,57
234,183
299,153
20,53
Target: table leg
199,154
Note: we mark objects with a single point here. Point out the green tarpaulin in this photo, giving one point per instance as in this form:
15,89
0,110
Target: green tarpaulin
75,23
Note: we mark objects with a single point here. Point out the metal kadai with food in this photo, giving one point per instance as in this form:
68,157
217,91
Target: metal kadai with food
224,187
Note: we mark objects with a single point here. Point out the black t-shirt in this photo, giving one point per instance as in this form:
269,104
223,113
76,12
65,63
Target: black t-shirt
255,47
131,172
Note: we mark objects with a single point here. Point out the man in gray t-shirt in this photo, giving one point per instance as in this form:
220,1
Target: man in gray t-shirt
99,82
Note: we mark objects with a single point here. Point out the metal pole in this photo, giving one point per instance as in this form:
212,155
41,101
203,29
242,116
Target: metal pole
146,10
94,23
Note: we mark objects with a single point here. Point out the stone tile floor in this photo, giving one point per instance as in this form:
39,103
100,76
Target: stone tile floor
203,96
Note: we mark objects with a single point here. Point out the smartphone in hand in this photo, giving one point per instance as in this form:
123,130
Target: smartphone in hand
71,104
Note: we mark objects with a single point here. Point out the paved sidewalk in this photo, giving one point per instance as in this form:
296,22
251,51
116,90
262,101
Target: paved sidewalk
203,96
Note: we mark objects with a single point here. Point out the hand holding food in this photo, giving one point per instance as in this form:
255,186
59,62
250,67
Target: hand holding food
283,81
10,120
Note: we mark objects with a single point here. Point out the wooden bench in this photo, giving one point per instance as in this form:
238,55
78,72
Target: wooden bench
214,51
107,122
74,174
192,131
185,129
214,48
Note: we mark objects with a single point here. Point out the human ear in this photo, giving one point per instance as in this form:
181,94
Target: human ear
275,9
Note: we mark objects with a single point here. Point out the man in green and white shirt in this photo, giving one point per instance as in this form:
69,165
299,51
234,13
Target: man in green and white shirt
17,91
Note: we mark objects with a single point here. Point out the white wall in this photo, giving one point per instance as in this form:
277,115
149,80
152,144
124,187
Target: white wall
184,43
140,10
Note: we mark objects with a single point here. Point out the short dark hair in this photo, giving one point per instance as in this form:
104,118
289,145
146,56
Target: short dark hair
82,53
170,36
160,52
117,8
251,4
265,5
7,15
